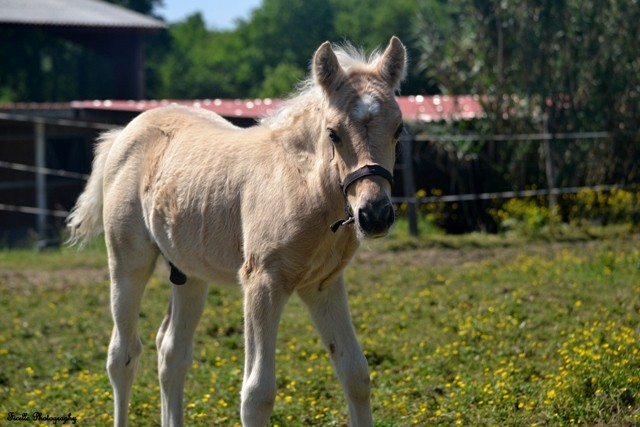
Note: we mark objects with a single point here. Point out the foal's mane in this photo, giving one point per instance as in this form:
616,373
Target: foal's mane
309,94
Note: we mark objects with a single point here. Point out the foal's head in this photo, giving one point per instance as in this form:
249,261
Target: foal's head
362,122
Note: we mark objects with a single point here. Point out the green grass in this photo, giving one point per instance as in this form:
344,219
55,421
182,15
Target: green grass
495,334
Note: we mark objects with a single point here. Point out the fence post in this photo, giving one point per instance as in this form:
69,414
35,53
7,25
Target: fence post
409,186
41,178
548,163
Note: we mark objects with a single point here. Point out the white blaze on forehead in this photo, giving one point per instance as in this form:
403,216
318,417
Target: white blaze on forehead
366,106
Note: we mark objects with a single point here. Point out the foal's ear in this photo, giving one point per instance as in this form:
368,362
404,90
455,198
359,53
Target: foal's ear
392,65
326,68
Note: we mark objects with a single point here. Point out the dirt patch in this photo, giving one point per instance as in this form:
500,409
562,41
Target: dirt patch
432,256
27,279
439,256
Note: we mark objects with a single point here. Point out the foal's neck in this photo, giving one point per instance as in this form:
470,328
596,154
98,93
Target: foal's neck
308,149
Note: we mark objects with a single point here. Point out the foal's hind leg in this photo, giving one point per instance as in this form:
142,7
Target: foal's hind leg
330,313
131,262
175,346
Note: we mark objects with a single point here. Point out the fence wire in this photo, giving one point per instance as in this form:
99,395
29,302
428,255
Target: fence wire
42,170
502,194
34,211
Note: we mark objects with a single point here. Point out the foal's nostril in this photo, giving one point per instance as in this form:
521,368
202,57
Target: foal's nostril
376,218
388,214
364,219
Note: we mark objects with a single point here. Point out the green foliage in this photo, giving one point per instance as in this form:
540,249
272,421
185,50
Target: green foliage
617,206
278,81
188,68
287,31
370,24
268,54
587,207
561,51
263,57
543,334
527,216
542,67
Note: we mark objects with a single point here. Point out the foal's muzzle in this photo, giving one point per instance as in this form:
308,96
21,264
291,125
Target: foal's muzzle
376,217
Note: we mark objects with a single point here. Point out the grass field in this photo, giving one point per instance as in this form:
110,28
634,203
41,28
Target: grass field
523,335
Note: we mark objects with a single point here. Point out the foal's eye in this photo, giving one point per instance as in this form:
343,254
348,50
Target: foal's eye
334,136
398,131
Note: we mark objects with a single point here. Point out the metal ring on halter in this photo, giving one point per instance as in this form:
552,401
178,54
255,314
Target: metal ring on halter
367,170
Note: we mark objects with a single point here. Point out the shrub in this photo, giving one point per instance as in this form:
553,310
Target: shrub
618,206
528,216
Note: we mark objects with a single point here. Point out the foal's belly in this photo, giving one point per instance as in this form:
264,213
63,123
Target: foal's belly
201,244
217,267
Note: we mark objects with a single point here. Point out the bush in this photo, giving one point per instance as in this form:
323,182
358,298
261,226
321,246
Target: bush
617,206
587,207
532,215
524,215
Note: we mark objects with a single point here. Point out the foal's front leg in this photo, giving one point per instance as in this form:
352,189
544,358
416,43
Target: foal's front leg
264,301
330,313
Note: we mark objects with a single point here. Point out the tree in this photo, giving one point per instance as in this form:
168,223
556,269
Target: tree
371,23
544,65
279,39
539,66
279,81
270,51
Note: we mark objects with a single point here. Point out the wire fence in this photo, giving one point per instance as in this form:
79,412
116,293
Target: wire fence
34,211
31,210
503,194
512,137
43,170
409,198
462,167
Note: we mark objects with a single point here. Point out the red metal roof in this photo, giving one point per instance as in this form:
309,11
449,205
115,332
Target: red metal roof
243,108
420,108
416,108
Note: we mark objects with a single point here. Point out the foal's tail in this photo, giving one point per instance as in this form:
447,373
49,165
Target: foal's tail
85,220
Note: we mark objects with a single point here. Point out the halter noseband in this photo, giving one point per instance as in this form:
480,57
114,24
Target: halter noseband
367,170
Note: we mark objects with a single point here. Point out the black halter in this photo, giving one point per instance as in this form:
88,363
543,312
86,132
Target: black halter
354,176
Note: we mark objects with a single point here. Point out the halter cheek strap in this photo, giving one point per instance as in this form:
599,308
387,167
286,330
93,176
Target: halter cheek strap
354,176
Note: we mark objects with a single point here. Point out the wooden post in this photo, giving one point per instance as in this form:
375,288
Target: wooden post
41,178
409,186
551,175
549,167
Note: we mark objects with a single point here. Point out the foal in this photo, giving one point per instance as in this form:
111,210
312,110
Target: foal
280,207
